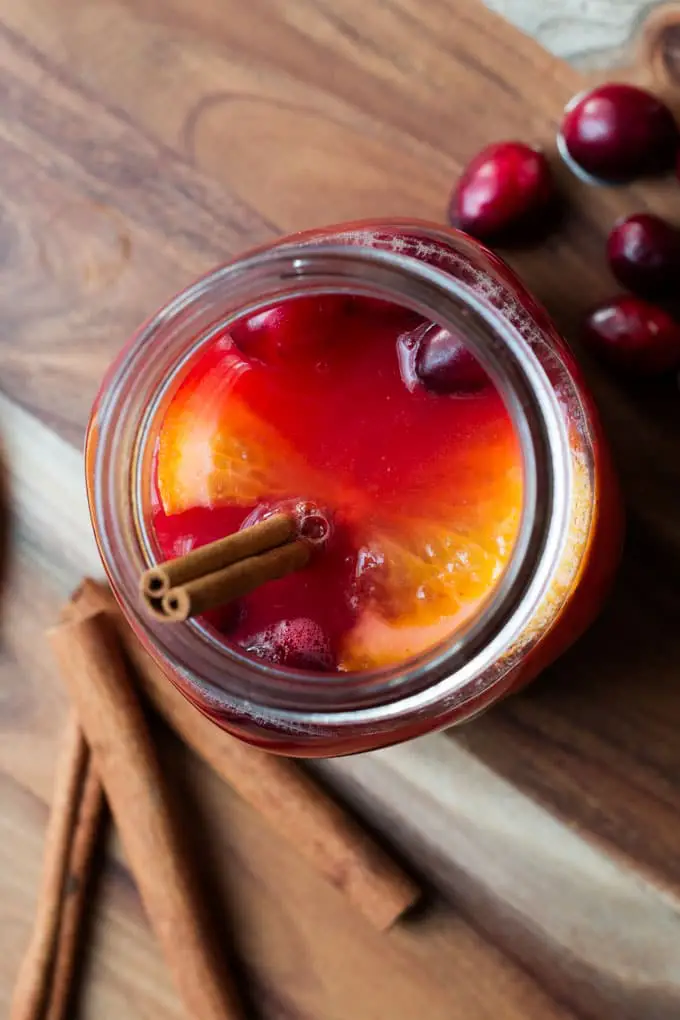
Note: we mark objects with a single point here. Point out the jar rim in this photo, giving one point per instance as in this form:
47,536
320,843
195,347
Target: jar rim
443,673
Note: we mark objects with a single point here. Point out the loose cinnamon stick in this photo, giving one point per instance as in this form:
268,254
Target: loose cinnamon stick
32,988
297,807
87,828
258,538
204,593
95,675
76,886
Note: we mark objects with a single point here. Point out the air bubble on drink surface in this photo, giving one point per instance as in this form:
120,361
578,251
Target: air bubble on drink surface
312,522
407,351
314,527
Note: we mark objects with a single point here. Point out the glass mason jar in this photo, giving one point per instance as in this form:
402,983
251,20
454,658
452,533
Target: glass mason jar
568,540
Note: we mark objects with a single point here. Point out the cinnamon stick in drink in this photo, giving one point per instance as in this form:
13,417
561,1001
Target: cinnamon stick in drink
234,581
258,538
95,675
285,796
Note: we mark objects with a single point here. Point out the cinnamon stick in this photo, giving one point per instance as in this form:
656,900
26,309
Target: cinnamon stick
87,828
286,797
258,538
95,675
211,590
32,988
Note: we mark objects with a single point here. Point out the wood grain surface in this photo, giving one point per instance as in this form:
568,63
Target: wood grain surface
140,143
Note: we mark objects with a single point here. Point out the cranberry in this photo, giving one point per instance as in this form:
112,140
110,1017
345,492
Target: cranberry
644,254
505,189
618,132
295,327
444,364
297,644
634,335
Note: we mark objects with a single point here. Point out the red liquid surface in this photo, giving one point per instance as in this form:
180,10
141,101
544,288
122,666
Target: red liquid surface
318,407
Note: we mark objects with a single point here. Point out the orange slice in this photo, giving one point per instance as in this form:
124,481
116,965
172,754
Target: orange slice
430,578
213,450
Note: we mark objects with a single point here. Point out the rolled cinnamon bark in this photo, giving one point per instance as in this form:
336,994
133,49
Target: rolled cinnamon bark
266,534
238,579
32,988
77,883
95,675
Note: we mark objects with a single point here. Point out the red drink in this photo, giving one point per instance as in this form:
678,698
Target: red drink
387,440
468,530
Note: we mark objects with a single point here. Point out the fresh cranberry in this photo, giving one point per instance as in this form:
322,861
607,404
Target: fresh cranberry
618,132
295,327
644,254
297,644
634,336
505,189
444,364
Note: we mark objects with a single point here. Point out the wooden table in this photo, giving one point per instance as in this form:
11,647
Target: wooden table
140,143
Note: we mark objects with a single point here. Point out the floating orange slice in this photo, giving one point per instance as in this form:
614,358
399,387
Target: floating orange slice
430,578
213,450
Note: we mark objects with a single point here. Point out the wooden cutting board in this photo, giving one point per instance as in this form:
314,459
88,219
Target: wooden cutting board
142,141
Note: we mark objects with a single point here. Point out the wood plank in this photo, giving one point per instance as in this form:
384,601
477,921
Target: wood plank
599,935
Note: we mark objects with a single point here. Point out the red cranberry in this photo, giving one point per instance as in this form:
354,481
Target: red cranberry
444,364
634,336
644,254
618,132
505,189
298,644
291,329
